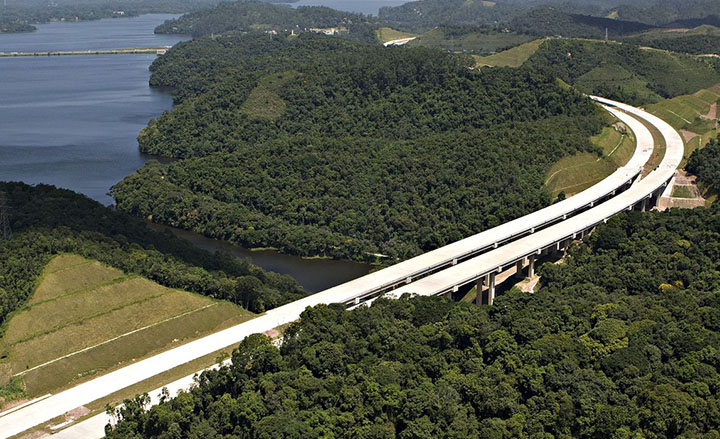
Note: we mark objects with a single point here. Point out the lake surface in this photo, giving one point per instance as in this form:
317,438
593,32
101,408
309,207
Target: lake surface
72,121
368,7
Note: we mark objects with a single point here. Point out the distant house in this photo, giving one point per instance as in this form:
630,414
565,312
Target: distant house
326,31
119,13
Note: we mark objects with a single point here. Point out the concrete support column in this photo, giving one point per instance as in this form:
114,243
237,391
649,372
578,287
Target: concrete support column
478,298
448,295
531,266
643,205
519,267
491,289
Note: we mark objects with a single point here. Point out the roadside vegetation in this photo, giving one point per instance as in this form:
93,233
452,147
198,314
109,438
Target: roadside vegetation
621,341
86,317
695,116
705,163
578,172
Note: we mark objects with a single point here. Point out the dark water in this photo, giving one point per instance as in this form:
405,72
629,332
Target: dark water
368,7
313,274
72,121
109,33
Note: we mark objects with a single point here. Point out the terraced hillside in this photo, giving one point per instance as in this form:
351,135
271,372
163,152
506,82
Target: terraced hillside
85,317
695,116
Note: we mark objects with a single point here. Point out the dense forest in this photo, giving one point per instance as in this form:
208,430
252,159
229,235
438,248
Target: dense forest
581,15
20,17
625,72
692,44
319,146
705,163
247,15
551,21
47,221
622,341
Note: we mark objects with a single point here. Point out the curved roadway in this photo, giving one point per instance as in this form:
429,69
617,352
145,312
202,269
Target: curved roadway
15,422
496,260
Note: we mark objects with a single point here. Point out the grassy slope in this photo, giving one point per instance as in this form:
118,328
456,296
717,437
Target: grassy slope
620,77
663,34
473,42
82,304
264,102
386,34
514,57
578,172
686,113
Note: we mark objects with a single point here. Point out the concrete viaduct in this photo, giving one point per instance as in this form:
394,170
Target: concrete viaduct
475,259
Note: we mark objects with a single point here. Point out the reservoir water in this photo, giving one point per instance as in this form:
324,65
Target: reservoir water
72,121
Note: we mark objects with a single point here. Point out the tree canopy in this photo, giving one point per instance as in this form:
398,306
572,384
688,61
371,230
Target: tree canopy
621,341
47,221
319,146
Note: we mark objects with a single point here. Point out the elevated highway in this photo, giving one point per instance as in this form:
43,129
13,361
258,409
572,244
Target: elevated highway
464,261
484,267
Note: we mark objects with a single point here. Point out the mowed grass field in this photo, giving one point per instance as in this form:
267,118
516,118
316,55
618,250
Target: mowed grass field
473,42
385,34
578,172
514,57
85,318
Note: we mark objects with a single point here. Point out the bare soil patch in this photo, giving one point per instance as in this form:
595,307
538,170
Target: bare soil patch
688,135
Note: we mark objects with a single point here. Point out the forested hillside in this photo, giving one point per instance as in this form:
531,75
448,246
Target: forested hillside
319,146
17,16
47,221
551,21
579,14
625,72
700,40
705,163
246,15
623,341
426,14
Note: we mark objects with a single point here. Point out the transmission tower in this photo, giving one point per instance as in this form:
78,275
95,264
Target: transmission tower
5,232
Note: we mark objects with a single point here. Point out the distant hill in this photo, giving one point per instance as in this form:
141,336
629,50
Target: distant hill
247,15
549,20
700,40
625,72
670,13
429,13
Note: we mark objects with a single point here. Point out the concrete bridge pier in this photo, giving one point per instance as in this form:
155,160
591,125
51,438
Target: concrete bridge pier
491,288
531,267
479,297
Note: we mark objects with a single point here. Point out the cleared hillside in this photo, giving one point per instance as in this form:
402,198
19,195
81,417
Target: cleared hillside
85,317
513,57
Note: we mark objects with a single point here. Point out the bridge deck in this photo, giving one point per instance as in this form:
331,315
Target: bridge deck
21,420
475,268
